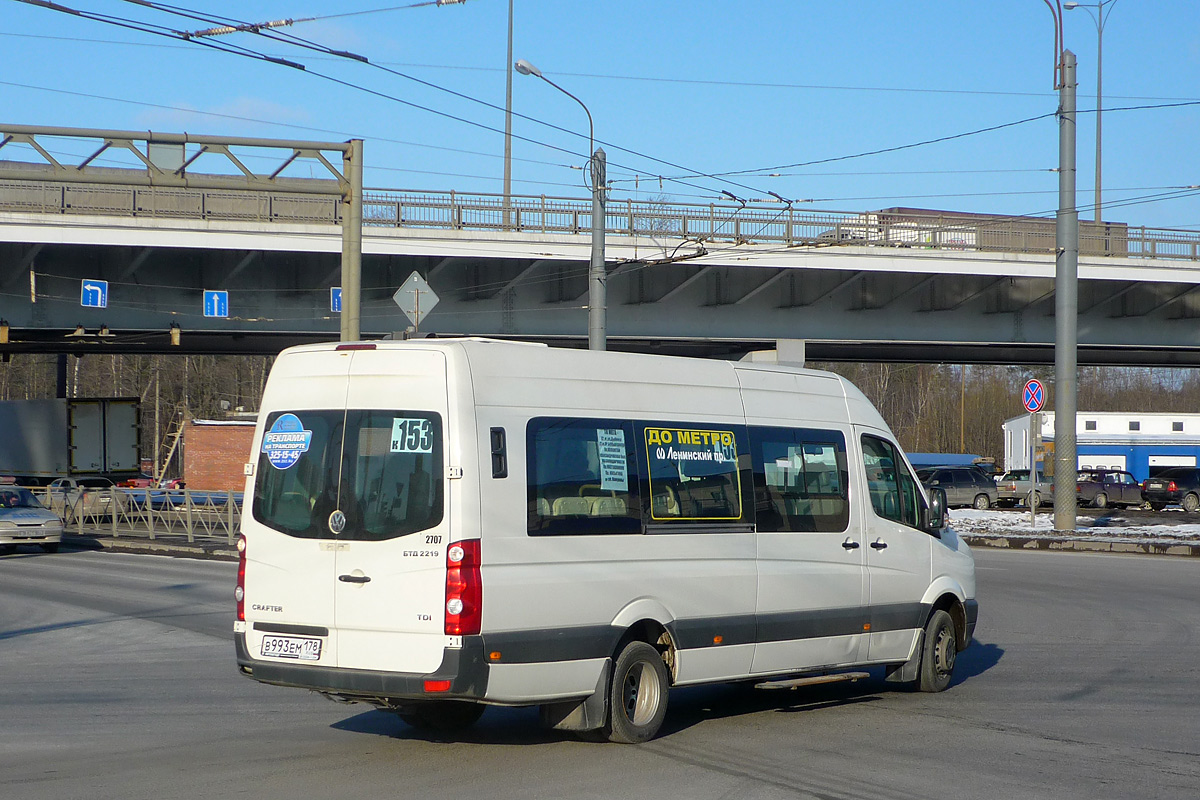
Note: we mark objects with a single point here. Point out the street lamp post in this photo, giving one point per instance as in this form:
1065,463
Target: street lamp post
1100,17
597,278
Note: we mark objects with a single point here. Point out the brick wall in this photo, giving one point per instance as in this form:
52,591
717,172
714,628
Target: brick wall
214,454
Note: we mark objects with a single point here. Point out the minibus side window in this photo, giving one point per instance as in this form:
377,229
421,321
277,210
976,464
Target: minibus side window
893,489
696,473
800,480
583,477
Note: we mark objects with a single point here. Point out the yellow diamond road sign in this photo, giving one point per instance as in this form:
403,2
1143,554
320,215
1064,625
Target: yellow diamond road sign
415,298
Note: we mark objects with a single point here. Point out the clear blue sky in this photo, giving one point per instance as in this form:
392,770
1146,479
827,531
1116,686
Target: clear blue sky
710,86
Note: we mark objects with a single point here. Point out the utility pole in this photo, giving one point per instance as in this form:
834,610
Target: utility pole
1066,306
352,170
597,278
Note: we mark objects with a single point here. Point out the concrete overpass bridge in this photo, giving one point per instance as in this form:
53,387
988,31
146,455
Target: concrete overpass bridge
718,278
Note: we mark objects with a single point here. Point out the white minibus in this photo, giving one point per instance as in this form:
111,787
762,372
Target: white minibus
437,525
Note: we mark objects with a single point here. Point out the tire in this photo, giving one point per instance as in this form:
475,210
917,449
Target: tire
441,716
51,547
1157,506
1191,502
1034,498
1100,500
982,502
638,695
939,651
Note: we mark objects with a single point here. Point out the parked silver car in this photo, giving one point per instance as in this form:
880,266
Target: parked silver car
23,520
964,486
1014,487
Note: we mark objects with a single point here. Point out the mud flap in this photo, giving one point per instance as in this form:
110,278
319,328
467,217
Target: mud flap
909,670
587,714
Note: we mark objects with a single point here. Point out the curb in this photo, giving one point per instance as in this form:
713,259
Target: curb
1026,542
217,551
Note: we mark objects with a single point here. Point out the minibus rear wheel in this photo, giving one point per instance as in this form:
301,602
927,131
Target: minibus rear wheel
443,716
638,694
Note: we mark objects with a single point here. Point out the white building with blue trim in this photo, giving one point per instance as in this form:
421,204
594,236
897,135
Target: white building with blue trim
1142,443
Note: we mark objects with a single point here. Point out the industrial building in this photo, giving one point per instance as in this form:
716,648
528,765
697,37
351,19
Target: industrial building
1142,443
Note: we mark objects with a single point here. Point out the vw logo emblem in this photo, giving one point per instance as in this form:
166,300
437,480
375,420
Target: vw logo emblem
337,521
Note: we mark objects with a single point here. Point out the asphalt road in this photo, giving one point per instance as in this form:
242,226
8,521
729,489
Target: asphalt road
117,681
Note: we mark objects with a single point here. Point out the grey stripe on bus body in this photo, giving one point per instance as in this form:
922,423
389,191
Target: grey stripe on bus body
599,641
898,617
463,667
784,626
298,630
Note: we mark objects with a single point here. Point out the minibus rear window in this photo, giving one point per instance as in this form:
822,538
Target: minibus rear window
381,469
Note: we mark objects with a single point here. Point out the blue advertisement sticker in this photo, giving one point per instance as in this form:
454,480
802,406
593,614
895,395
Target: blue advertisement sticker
286,441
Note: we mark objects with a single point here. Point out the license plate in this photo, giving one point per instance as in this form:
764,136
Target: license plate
291,647
1154,485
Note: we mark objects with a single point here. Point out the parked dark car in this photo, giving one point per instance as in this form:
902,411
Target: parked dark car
964,486
1107,487
1175,485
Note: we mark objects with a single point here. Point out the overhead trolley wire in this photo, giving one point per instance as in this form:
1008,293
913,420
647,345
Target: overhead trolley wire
172,33
298,41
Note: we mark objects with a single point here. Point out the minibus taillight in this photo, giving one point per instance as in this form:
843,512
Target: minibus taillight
464,589
239,592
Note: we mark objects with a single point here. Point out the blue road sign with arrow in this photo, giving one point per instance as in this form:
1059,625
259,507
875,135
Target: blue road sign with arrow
216,303
335,299
93,294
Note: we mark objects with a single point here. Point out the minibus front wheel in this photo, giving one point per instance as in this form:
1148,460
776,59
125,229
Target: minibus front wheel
938,653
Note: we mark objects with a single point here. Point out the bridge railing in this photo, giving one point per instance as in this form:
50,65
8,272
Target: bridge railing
737,223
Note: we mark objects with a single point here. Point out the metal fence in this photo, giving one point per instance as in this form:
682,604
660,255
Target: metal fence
176,514
761,223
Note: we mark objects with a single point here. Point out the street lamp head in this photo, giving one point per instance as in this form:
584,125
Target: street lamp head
525,68
1071,5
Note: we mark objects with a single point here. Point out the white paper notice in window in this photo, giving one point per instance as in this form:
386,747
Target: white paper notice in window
614,475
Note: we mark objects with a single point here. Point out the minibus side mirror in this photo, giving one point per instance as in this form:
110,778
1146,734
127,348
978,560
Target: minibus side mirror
935,515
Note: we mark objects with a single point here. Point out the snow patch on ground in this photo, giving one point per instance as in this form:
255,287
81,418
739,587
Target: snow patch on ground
1015,524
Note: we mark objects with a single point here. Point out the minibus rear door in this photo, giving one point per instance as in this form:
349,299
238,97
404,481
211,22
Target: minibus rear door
390,572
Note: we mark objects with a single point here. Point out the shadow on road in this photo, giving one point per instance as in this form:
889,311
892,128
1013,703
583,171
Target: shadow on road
976,660
688,706
498,725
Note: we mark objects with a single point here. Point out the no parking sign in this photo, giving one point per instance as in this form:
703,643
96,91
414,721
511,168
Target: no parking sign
1033,396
